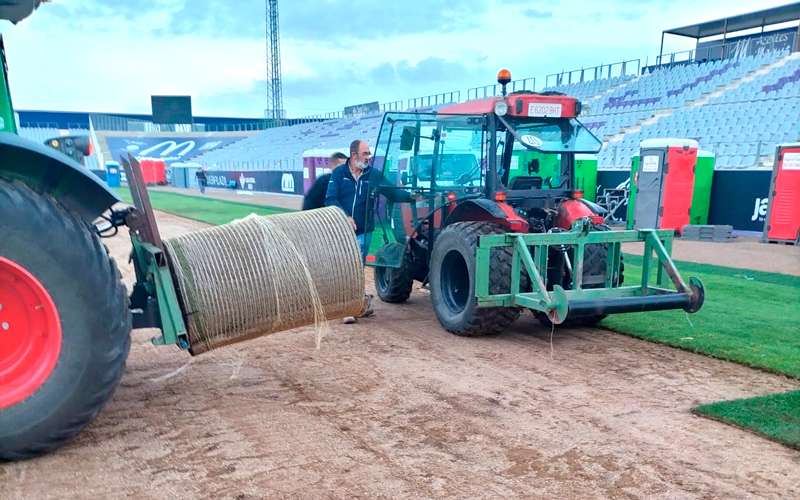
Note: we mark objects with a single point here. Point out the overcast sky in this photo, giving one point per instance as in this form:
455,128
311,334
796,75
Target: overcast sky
111,55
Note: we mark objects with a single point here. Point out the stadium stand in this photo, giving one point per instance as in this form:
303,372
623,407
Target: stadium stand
41,134
282,148
739,108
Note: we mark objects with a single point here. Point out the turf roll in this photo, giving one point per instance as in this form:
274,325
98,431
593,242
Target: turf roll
265,274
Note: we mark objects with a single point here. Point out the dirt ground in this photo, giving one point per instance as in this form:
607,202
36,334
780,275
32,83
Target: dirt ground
395,407
746,253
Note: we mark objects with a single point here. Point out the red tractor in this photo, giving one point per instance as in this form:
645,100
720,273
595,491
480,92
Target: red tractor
490,244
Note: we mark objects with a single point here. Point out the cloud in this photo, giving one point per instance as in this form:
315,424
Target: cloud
240,19
432,69
342,19
537,14
111,55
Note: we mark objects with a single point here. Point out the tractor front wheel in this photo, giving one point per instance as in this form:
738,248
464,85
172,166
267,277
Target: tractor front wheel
64,323
394,284
452,281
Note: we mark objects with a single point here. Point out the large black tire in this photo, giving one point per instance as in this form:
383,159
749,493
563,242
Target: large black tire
394,284
452,281
63,253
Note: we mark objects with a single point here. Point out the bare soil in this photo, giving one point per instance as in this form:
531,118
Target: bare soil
395,407
745,253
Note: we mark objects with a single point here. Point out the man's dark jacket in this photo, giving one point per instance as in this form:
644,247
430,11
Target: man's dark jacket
315,196
352,196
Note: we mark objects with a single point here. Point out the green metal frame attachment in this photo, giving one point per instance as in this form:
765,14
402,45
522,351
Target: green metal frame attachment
154,299
530,253
153,279
7,123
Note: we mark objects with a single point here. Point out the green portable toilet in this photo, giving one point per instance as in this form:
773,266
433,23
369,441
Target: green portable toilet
533,163
586,175
701,196
544,165
632,193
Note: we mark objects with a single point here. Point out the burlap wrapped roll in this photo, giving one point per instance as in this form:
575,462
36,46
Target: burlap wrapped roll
261,275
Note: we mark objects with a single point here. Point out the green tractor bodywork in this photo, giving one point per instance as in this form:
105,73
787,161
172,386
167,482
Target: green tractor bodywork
518,176
7,122
52,244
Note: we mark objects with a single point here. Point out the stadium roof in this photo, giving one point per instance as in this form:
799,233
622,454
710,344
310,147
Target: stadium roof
766,17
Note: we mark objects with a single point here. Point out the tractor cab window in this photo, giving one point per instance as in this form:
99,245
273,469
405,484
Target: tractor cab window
538,147
424,159
554,136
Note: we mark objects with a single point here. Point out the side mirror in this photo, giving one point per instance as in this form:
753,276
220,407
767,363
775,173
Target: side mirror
407,138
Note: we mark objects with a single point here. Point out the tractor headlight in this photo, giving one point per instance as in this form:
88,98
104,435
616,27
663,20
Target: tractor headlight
500,108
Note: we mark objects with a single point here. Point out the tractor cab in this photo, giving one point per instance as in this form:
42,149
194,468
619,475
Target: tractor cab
510,159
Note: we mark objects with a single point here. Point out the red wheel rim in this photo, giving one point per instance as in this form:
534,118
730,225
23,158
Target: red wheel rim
30,333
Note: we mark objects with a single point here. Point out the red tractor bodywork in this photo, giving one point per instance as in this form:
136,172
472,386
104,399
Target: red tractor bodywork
521,105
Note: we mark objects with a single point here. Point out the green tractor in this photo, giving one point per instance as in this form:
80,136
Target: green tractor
65,315
491,241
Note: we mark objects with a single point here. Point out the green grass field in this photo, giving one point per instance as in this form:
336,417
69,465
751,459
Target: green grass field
202,208
776,416
749,317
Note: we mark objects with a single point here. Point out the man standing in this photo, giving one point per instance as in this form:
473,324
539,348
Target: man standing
202,179
315,197
348,189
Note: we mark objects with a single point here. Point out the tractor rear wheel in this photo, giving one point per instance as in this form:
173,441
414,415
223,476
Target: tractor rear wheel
394,284
64,323
452,281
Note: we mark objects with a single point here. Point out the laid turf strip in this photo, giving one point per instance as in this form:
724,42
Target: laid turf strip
203,209
776,416
749,317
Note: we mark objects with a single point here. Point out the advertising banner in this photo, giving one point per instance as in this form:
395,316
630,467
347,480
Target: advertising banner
264,181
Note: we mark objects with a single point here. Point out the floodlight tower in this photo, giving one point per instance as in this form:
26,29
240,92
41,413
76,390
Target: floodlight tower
274,109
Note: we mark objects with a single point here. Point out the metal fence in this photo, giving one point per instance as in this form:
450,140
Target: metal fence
600,72
496,89
715,51
434,100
